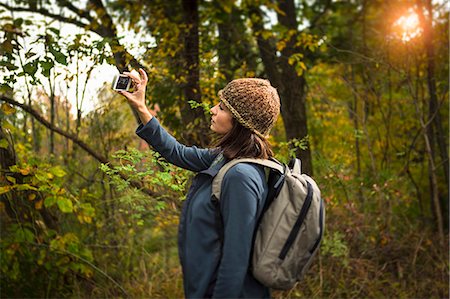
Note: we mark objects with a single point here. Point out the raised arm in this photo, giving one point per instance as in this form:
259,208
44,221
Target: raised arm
192,158
188,157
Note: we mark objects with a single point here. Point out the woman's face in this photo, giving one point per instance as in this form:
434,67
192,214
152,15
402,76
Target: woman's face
221,119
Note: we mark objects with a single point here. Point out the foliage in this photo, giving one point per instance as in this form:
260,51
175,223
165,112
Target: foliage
35,252
74,227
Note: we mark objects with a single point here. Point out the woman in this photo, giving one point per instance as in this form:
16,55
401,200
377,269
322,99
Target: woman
215,254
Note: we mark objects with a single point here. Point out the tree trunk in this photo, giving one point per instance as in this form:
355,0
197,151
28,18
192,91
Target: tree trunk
283,76
293,92
293,111
36,136
436,205
193,119
434,191
435,132
66,144
224,47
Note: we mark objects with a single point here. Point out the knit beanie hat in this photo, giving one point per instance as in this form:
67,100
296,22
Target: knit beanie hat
253,102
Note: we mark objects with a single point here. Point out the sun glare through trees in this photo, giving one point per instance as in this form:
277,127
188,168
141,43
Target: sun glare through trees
408,26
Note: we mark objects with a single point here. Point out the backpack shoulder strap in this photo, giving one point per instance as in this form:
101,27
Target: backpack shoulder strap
217,181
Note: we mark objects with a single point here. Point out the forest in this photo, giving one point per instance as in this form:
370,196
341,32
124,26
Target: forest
89,210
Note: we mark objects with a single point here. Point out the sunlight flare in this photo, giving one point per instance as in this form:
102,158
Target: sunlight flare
408,26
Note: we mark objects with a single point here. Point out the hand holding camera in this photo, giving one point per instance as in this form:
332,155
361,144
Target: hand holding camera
138,81
136,98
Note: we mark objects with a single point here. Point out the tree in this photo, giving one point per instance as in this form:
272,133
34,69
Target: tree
434,129
284,62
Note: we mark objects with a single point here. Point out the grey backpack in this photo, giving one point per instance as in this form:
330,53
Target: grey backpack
291,225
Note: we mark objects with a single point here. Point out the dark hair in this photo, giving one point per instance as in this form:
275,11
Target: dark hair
241,142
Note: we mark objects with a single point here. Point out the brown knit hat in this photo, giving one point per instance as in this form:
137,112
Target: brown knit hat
253,102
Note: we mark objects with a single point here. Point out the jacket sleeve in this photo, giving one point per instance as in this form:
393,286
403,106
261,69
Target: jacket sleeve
242,189
191,158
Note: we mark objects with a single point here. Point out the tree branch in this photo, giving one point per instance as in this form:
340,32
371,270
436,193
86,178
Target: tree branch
80,12
47,124
318,16
105,29
76,140
46,13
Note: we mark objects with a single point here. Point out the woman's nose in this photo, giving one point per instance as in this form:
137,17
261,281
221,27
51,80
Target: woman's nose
213,110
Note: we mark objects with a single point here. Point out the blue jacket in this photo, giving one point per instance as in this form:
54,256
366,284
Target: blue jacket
210,268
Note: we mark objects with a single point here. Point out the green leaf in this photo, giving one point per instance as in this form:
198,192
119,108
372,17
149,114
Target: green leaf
266,34
87,254
29,54
7,125
164,177
24,235
54,30
57,171
73,247
3,143
88,209
46,67
7,47
41,176
31,68
18,22
49,201
5,88
11,179
22,187
59,57
65,205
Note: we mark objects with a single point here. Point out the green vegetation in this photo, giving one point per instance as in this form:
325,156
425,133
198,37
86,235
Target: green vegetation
89,211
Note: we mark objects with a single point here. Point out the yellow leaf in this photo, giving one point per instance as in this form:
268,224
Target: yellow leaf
227,7
25,171
281,45
291,60
8,109
5,189
32,196
38,204
88,272
266,34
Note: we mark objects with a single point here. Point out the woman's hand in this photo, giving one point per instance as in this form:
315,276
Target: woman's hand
137,98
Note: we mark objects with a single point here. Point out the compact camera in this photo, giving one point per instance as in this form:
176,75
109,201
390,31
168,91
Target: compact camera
122,82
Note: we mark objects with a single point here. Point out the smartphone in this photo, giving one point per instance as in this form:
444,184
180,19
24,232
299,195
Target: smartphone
121,82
